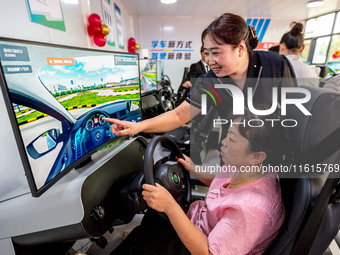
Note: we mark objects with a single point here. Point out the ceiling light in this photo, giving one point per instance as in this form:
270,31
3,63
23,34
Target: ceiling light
168,1
70,1
168,28
315,3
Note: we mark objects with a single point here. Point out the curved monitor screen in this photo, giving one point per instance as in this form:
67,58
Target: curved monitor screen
148,75
58,97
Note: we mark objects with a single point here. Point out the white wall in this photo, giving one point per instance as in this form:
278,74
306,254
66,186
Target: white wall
16,23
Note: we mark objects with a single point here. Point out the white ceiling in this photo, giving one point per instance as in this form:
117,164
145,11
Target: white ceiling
280,9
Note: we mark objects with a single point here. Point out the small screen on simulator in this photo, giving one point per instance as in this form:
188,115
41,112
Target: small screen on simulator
334,67
148,75
59,97
160,70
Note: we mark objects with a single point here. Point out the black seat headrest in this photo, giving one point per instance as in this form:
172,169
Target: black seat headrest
324,106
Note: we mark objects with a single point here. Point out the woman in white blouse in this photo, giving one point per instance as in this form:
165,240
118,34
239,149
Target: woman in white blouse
291,45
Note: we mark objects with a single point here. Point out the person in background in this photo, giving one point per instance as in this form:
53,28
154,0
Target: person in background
291,45
195,71
275,48
242,212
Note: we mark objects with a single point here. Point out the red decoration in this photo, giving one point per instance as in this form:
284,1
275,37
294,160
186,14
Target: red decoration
132,41
95,19
97,30
93,29
335,56
132,49
99,40
132,45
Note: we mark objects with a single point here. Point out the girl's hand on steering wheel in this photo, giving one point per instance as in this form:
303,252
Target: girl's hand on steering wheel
187,163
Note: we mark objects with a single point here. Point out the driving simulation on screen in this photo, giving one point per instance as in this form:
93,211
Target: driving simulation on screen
60,96
148,75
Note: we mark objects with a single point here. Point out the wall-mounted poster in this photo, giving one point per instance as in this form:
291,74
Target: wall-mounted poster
108,20
47,12
118,17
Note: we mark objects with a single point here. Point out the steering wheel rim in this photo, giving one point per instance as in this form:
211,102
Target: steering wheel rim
167,104
149,168
166,79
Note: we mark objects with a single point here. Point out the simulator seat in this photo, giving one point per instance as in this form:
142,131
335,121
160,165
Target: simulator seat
300,193
297,195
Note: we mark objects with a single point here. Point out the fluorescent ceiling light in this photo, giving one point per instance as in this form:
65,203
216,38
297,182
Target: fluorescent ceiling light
70,1
168,28
315,3
168,1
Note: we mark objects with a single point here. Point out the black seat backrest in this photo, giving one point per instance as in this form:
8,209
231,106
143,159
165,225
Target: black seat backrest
296,198
300,192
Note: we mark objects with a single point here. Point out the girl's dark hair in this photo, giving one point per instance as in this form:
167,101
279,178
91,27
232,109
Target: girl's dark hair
270,138
294,38
231,29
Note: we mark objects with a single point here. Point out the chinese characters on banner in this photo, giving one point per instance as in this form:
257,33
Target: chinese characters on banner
265,45
171,50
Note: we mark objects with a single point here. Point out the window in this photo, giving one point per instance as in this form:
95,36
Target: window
334,54
319,26
310,24
337,24
320,51
324,25
321,39
305,52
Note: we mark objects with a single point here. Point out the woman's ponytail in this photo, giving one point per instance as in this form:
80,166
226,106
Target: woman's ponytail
252,38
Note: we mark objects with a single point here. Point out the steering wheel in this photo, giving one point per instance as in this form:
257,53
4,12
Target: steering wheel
172,176
166,102
96,130
166,81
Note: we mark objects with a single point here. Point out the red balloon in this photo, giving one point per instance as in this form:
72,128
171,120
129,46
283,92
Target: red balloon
99,40
335,56
95,19
131,41
132,45
131,49
93,29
